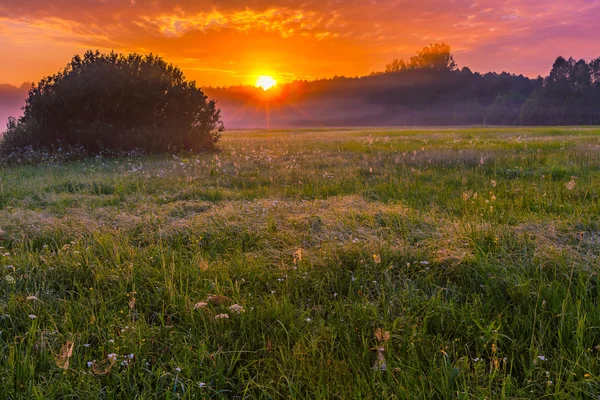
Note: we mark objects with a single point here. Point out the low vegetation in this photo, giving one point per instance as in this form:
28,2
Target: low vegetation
446,263
111,104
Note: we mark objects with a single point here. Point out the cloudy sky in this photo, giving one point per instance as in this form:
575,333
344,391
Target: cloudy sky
223,42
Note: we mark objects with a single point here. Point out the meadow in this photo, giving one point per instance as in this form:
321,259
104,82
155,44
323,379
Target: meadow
334,264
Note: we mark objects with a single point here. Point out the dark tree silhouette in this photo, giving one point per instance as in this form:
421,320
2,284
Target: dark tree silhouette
112,103
429,90
435,57
570,95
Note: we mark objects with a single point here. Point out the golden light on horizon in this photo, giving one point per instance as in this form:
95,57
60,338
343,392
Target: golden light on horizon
266,82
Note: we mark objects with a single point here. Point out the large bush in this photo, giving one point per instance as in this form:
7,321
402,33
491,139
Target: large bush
108,103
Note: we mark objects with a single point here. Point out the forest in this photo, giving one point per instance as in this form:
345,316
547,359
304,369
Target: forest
427,90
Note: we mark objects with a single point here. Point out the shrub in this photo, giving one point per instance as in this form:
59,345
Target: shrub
107,103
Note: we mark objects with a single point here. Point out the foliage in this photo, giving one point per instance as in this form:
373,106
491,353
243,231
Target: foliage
114,103
569,95
470,256
435,57
426,90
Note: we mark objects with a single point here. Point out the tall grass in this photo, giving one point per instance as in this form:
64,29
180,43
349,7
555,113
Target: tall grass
458,263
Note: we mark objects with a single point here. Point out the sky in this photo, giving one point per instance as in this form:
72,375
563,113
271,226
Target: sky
230,42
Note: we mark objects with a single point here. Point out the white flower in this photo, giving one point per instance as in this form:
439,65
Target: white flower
10,280
31,316
200,304
236,308
111,341
308,320
222,316
178,369
201,384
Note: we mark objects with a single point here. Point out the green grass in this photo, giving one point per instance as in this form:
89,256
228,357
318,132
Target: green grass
476,249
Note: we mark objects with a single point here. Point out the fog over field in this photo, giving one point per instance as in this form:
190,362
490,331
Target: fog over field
12,98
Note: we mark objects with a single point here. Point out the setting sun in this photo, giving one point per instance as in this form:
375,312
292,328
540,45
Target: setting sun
265,82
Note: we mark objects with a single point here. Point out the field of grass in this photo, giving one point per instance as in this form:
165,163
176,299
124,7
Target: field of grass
410,264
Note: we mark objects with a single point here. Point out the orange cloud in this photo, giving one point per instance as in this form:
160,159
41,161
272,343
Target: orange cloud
230,41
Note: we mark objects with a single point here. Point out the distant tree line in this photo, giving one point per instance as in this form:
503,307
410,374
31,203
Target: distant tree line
426,89
570,95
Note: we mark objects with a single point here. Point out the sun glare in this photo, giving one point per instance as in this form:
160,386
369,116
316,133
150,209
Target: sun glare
265,82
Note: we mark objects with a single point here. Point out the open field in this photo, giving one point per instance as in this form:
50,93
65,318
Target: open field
470,255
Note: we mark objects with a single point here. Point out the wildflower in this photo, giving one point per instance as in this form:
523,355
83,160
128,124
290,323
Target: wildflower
586,375
112,356
201,384
494,183
31,316
308,320
200,304
380,364
131,356
571,184
86,345
424,263
89,364
178,369
236,308
10,280
376,258
222,316
541,358
111,341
